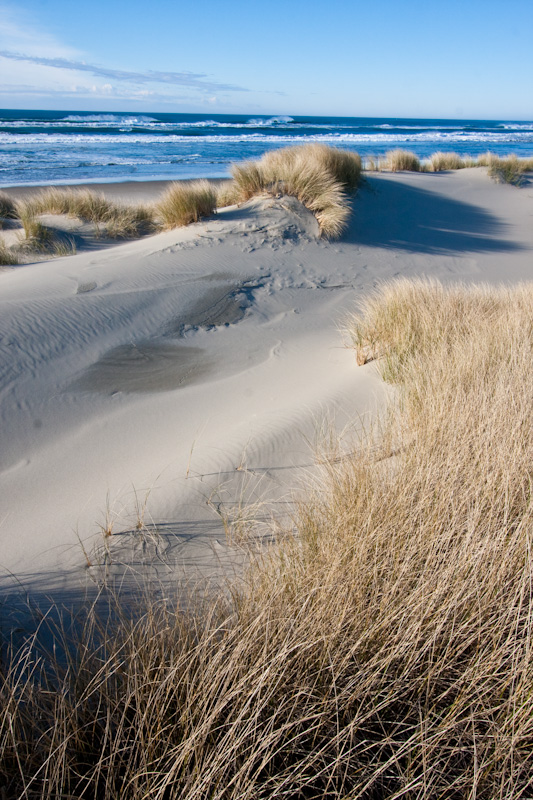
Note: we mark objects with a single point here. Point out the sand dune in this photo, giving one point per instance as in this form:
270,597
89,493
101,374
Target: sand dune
161,380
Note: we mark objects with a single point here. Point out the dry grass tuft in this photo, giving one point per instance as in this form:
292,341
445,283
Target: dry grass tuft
343,166
317,175
8,256
249,180
228,194
375,164
41,239
184,203
119,221
507,170
8,208
38,236
443,161
129,222
383,651
486,159
402,160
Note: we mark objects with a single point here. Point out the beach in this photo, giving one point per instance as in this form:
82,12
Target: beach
154,389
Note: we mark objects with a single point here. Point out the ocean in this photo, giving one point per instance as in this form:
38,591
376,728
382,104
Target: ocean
59,147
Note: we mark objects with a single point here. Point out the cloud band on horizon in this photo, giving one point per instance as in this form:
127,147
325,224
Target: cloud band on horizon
188,79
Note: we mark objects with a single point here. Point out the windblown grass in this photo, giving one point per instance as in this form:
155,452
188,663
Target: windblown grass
486,159
249,180
40,238
184,203
507,170
383,651
119,221
342,165
227,194
443,161
402,160
8,256
375,164
8,208
317,175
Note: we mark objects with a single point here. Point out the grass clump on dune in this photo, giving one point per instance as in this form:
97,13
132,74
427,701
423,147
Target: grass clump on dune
507,170
402,160
8,208
317,175
42,239
443,161
8,256
227,194
383,650
375,164
38,236
342,165
184,203
119,221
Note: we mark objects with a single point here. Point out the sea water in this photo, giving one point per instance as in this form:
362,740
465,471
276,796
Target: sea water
59,147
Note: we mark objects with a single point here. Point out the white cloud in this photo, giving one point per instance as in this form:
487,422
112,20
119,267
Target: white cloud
36,63
19,32
193,80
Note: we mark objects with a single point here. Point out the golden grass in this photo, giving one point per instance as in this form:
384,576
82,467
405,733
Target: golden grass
402,160
8,209
507,170
249,180
40,238
227,194
184,203
375,164
8,256
382,651
486,159
397,160
317,175
342,165
129,222
443,161
119,221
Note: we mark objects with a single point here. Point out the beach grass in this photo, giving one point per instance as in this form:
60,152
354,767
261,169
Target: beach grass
443,161
227,194
398,160
8,208
38,236
186,202
507,170
402,160
382,649
119,221
320,177
8,256
375,164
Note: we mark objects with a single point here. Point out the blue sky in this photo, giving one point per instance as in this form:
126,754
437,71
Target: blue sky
467,59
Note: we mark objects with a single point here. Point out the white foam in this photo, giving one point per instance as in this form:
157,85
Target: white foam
110,118
271,121
67,140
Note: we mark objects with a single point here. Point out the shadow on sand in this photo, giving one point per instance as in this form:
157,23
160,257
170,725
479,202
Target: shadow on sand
391,214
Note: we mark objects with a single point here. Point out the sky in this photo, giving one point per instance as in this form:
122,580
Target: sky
416,58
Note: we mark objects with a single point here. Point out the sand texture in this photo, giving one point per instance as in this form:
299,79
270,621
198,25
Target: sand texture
149,388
